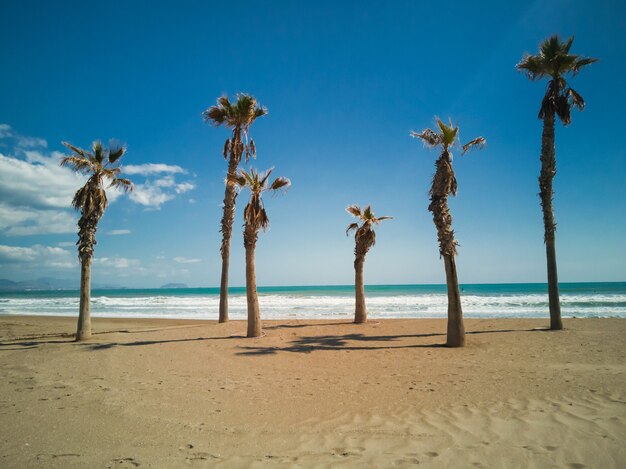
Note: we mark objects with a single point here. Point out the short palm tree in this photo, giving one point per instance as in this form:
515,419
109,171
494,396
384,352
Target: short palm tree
255,219
443,185
553,62
239,117
103,166
364,239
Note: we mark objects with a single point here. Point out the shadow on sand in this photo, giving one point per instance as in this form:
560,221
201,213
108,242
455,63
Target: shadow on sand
307,344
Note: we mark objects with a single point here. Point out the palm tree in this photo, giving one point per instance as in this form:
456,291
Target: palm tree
444,184
364,239
102,164
255,218
239,117
553,62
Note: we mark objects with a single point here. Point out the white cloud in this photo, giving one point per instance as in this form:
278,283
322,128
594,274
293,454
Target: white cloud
153,193
118,232
184,260
24,221
36,192
184,187
5,131
37,256
150,169
37,182
116,262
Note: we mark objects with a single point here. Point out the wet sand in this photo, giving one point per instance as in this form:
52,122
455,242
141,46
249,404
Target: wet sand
181,393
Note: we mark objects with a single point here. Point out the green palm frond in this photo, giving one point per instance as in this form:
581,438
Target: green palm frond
532,66
98,151
448,132
116,151
579,63
264,177
379,219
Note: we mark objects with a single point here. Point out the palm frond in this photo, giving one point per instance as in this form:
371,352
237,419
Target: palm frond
252,148
226,148
215,116
533,66
280,183
116,150
577,99
263,177
581,63
79,164
478,143
428,136
236,180
260,111
123,184
448,132
354,210
351,227
563,109
78,151
379,219
98,151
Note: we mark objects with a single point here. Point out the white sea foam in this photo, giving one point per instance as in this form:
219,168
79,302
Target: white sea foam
307,306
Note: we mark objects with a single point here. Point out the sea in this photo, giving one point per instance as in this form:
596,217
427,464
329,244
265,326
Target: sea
518,300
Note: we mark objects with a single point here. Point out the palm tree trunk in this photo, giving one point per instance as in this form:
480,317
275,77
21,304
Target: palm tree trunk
83,330
228,219
254,318
456,330
360,312
548,171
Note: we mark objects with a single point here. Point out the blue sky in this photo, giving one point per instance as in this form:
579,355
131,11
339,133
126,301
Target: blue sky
344,83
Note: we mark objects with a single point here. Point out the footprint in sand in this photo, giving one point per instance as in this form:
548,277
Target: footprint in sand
123,463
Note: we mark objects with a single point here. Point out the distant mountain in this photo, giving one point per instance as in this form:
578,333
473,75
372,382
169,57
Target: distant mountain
175,285
47,283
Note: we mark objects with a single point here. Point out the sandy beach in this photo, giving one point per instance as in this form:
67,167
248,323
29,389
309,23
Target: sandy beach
181,393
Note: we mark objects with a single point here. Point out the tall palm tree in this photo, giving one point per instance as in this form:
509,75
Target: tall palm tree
255,218
239,117
444,184
102,165
364,239
553,62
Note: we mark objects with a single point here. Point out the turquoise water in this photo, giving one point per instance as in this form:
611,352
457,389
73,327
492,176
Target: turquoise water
293,302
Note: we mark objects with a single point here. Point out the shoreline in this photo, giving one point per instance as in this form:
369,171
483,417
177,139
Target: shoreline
174,393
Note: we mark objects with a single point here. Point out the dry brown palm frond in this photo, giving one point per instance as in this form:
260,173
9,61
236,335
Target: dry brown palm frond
428,136
351,227
121,183
354,210
280,183
79,164
252,148
478,142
